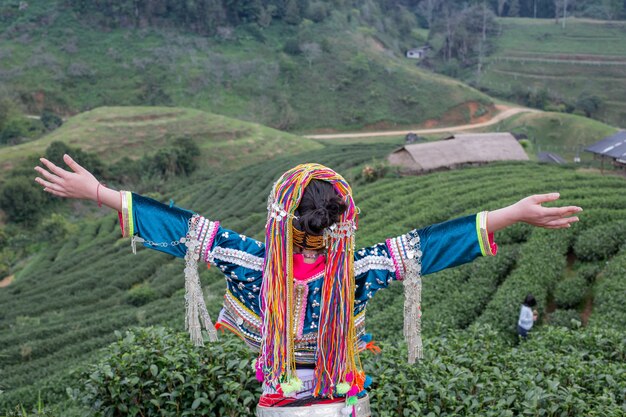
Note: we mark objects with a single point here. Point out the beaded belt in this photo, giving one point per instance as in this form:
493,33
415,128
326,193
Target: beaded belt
362,409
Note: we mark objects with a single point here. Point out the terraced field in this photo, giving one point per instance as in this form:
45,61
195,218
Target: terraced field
71,296
117,132
585,57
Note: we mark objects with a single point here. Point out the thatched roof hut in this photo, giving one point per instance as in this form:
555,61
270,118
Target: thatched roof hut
459,150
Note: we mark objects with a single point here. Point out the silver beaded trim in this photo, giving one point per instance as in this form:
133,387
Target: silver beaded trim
371,262
412,296
194,298
236,257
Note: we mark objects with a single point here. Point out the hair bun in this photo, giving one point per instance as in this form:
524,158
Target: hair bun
319,208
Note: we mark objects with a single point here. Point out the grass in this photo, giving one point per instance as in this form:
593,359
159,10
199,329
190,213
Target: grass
586,57
115,132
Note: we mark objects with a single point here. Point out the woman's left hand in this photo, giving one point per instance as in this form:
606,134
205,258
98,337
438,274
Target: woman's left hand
530,210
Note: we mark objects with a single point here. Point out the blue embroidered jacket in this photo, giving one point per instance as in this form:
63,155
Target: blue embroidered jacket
241,258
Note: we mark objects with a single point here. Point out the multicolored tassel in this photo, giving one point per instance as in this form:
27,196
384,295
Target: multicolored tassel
337,353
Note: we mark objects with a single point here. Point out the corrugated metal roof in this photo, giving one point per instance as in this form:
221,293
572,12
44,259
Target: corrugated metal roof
463,149
612,146
550,158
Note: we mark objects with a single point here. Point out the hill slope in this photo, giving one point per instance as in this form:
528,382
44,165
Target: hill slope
335,74
586,58
116,132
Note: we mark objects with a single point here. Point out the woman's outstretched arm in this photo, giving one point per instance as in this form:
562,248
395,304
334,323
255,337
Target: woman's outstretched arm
77,183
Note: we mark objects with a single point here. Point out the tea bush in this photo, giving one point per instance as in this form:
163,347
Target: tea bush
609,308
158,372
589,271
565,318
570,292
600,242
556,372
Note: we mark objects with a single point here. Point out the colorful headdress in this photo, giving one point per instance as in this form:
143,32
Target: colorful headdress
337,355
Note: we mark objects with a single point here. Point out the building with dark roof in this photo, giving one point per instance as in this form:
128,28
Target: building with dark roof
550,158
611,148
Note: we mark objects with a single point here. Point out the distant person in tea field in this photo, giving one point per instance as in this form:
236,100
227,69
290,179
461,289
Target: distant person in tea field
299,298
527,316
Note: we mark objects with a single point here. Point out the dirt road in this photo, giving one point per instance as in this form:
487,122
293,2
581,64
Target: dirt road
505,113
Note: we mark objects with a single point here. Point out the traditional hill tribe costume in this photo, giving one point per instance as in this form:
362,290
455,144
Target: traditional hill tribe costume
306,320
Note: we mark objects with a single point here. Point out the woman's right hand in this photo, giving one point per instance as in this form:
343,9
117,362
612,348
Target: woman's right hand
79,183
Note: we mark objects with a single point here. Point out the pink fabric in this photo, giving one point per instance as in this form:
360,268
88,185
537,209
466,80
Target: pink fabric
303,271
492,244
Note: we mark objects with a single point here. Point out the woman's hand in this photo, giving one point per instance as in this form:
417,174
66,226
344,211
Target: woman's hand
530,210
78,183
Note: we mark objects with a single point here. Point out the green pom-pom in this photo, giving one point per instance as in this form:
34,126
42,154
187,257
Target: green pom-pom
287,388
291,385
352,400
343,388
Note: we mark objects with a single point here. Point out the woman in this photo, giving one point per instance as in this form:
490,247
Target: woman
299,298
527,316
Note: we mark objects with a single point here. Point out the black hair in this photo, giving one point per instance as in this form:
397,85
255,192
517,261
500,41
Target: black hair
530,301
319,208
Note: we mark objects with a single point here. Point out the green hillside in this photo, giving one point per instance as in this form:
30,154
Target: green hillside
335,74
116,132
70,297
586,58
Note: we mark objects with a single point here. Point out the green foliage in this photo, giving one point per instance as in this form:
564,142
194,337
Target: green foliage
609,307
600,242
157,372
570,292
541,265
56,227
475,373
589,104
51,120
565,318
20,129
22,200
292,47
141,294
589,272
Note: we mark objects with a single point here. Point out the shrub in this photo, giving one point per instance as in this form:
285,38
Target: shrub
157,372
589,272
565,318
50,120
600,242
141,294
570,292
22,200
56,227
292,47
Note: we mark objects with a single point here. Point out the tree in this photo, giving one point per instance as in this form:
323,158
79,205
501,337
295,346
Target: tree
589,104
22,200
50,120
311,51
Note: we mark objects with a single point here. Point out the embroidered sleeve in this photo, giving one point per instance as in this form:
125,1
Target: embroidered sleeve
373,269
166,228
444,245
